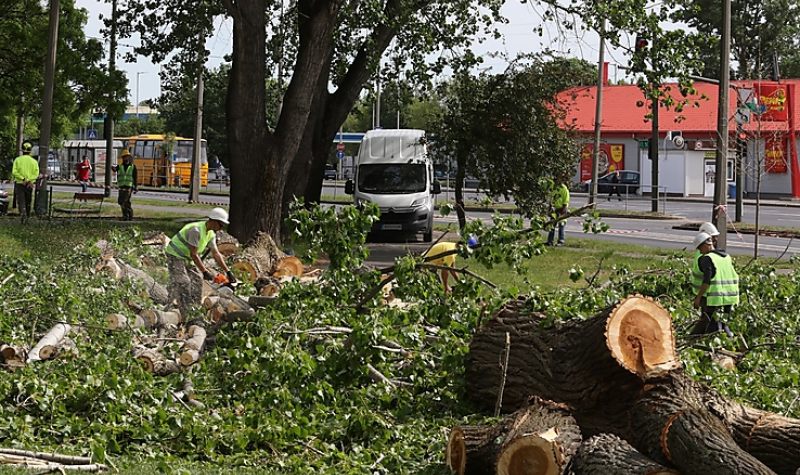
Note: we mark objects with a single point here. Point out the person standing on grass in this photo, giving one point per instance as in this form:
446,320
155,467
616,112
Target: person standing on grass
25,172
716,285
126,182
84,173
560,205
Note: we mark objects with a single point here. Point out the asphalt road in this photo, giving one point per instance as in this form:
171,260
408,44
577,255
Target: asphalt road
645,232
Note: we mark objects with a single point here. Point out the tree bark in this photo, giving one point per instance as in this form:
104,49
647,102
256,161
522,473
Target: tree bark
541,437
607,454
193,345
119,270
155,363
158,318
576,362
48,346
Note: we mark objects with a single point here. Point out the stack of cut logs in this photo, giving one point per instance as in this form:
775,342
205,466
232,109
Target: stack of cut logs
622,405
163,340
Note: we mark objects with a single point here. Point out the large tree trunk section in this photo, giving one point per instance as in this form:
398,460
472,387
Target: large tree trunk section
576,362
260,258
607,454
288,266
48,346
539,439
619,373
119,270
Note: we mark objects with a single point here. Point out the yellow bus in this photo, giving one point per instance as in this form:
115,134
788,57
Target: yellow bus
166,160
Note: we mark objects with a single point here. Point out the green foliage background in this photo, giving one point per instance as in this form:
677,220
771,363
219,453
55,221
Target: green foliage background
284,398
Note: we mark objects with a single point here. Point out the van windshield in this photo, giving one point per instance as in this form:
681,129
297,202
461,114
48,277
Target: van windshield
386,178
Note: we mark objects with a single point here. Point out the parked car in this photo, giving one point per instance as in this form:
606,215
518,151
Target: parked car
628,183
330,172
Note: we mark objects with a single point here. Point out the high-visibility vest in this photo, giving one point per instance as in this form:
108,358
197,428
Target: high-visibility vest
441,248
724,288
25,168
125,176
697,274
561,197
179,247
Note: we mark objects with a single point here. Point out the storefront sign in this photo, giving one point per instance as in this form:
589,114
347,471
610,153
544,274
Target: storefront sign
611,157
775,155
772,99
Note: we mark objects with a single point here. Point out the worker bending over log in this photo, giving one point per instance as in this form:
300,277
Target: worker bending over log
716,285
186,268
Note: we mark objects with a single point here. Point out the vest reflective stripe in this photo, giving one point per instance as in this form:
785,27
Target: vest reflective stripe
724,288
697,274
179,246
125,176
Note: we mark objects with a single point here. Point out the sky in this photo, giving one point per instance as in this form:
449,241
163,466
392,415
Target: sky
517,37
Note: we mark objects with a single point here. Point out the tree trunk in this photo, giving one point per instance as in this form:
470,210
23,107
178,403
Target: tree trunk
576,362
619,373
461,166
159,318
50,343
540,438
607,454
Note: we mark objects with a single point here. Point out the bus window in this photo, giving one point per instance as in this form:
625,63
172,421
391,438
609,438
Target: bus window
148,149
138,150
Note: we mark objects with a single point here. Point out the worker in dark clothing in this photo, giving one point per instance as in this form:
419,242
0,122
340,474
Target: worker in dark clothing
716,285
615,180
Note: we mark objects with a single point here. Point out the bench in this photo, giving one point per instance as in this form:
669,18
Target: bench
84,204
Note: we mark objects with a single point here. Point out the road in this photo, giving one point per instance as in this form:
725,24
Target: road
646,232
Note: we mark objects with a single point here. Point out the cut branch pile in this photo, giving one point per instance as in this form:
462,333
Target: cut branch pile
47,462
621,378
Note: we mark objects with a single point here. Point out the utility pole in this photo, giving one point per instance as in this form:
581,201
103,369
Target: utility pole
718,213
598,114
194,187
654,135
47,106
108,124
378,102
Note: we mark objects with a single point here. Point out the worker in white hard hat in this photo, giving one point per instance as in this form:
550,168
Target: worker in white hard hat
184,254
715,283
711,230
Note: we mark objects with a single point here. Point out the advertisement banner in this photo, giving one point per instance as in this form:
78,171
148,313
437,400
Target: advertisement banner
611,157
772,102
775,155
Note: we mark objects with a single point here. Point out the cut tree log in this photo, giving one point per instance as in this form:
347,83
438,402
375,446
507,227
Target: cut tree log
119,270
618,382
262,255
118,321
607,454
288,266
538,439
228,249
48,346
155,363
577,362
13,353
267,286
159,318
245,268
193,345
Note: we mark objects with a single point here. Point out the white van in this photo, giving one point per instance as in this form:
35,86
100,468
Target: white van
394,172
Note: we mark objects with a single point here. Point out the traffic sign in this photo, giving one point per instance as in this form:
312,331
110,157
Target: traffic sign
91,134
340,154
340,146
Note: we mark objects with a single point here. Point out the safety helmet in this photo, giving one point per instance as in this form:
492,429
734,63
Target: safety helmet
124,153
700,239
219,214
709,229
26,146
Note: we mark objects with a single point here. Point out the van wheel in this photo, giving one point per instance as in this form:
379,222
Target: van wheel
427,236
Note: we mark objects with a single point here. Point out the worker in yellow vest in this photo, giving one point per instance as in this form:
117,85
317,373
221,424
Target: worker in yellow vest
25,172
560,205
716,285
185,263
126,184
444,261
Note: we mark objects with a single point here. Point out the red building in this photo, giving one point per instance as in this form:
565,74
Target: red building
768,119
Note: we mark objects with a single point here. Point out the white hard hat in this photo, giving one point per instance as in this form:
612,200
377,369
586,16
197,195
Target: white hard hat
219,214
700,239
709,229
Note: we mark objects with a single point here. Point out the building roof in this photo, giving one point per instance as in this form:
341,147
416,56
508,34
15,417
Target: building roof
625,110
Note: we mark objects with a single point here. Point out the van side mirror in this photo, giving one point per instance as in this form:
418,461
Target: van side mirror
348,187
437,187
